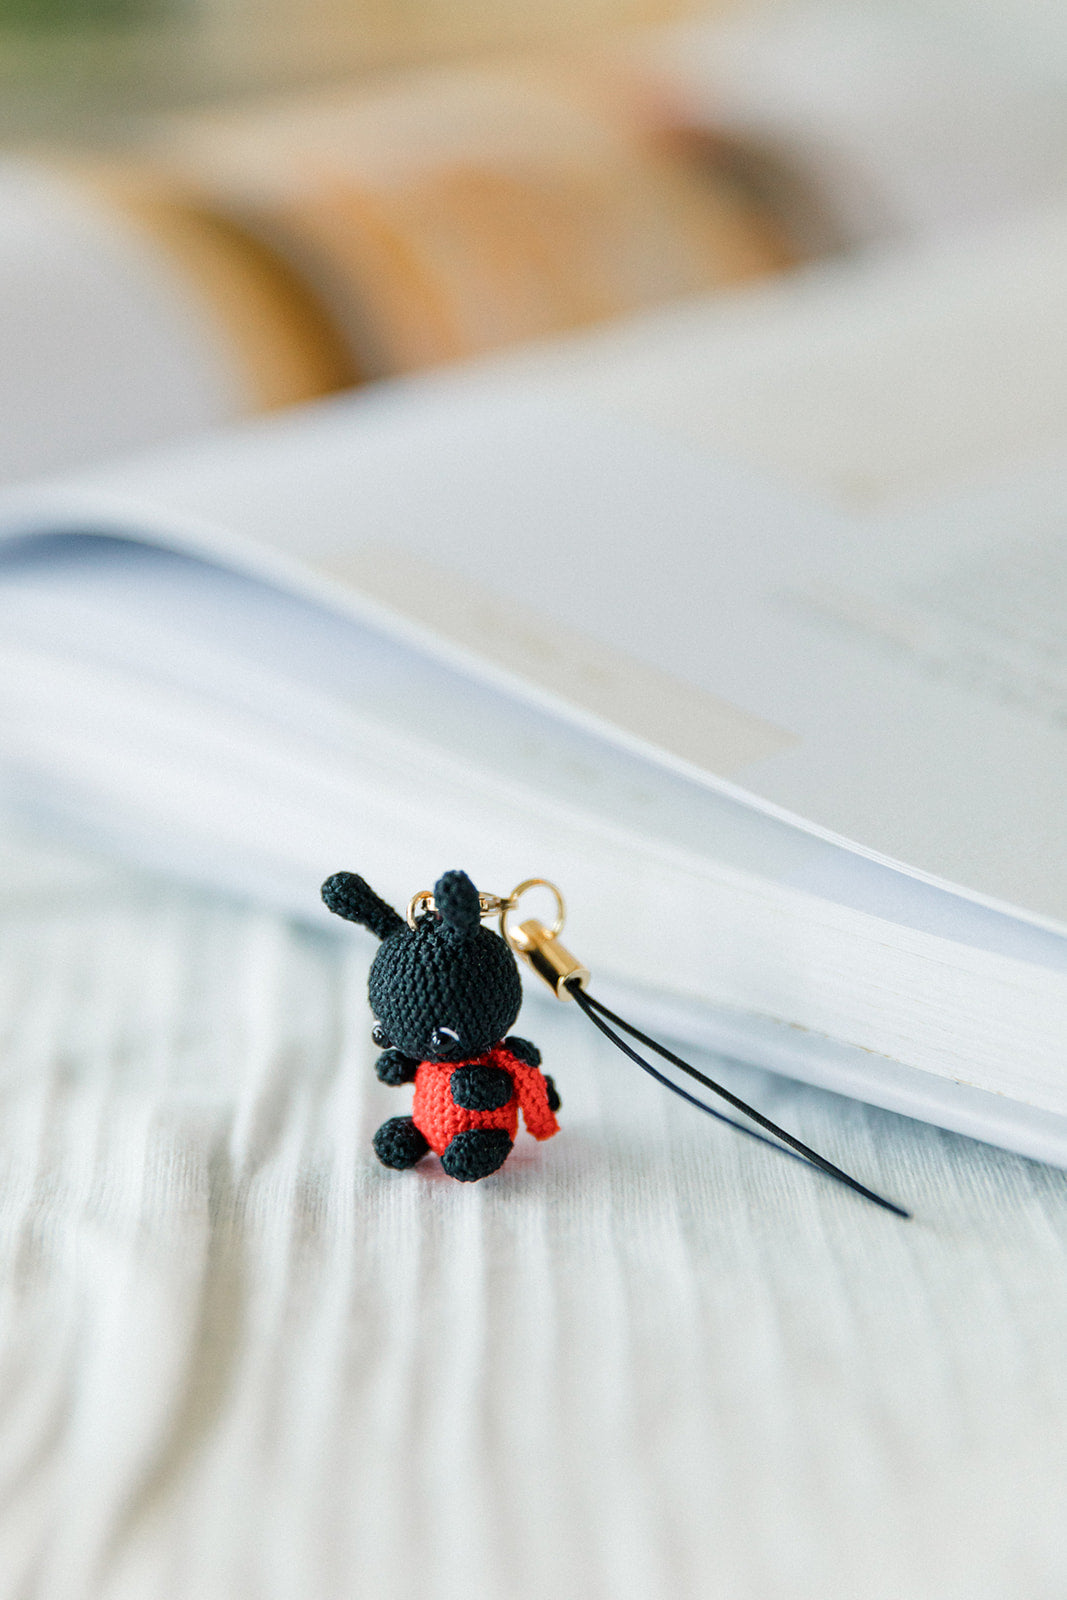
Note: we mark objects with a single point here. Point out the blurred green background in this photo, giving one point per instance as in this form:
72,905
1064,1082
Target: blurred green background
90,67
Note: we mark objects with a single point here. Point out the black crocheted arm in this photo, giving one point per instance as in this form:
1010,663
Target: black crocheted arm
554,1101
523,1049
394,1068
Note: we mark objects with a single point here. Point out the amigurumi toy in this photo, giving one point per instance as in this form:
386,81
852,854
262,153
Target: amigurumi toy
444,993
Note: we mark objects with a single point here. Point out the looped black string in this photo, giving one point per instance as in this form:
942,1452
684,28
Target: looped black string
597,1012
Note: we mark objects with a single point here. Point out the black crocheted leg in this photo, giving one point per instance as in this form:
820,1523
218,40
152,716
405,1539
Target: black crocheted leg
476,1153
398,1143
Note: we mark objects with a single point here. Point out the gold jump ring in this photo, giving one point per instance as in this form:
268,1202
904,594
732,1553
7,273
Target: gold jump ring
516,895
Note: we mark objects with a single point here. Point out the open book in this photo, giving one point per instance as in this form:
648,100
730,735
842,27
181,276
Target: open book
801,773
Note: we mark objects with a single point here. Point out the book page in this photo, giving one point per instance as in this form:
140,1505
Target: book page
925,668
880,379
699,575
896,682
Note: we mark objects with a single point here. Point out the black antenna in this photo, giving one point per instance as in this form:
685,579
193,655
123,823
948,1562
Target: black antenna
597,1012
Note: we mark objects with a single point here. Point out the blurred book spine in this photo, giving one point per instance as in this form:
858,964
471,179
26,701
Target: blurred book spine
463,209
286,247
276,333
270,254
128,315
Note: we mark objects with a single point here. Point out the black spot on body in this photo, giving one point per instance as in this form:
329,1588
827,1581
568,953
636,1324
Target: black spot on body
481,1088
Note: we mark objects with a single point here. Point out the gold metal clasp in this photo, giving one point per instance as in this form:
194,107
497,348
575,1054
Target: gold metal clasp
423,904
539,945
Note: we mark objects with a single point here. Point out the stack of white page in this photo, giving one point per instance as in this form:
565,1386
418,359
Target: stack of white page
801,772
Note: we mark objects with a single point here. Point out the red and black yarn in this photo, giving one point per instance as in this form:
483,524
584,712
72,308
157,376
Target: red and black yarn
445,994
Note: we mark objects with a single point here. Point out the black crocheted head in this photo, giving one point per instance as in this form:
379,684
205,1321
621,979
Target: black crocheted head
447,989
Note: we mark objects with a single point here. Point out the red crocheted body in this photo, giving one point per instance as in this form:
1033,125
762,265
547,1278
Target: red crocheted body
439,1119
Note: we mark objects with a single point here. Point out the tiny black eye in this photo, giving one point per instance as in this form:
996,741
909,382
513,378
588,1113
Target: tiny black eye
380,1037
443,1040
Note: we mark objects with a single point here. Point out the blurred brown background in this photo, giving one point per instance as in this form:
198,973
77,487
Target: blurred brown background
209,208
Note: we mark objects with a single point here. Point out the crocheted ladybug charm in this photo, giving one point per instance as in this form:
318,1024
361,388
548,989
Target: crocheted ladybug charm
445,991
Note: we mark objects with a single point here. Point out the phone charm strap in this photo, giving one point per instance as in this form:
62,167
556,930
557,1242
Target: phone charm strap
539,946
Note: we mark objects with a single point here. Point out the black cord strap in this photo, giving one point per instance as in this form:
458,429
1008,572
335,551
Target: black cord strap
600,1015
